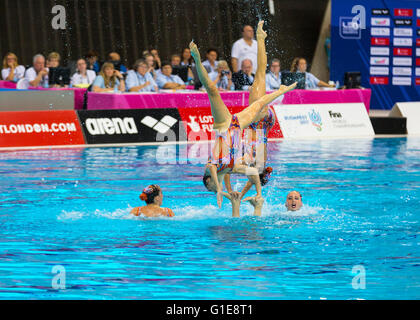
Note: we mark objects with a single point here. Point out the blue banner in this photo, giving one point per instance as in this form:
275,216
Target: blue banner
381,39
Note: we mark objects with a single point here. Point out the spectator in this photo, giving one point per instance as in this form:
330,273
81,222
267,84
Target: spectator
186,58
273,77
311,82
245,48
211,63
115,59
166,80
109,79
83,76
92,60
53,60
139,79
37,75
175,60
150,61
154,52
12,71
244,79
222,78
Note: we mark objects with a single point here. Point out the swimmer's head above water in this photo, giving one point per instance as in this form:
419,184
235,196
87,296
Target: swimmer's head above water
152,194
294,201
209,183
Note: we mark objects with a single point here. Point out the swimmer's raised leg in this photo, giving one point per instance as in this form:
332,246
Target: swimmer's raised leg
252,113
221,115
258,87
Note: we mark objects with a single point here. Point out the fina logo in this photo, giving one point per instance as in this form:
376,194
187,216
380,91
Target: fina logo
351,27
315,117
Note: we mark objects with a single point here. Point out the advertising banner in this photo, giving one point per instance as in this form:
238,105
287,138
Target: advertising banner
199,123
131,126
40,128
324,120
381,39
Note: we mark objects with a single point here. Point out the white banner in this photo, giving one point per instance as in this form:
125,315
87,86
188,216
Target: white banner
411,111
324,120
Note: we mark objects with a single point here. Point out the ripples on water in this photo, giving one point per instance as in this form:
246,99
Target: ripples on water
71,207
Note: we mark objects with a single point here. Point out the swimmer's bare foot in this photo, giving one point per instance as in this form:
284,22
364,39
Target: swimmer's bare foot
261,34
257,202
194,51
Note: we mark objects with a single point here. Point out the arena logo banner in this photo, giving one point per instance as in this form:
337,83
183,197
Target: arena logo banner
380,39
324,120
411,111
131,126
40,128
198,123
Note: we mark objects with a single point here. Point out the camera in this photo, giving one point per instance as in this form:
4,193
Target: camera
225,72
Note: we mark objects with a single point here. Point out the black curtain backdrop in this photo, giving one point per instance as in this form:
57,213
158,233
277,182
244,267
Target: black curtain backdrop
131,26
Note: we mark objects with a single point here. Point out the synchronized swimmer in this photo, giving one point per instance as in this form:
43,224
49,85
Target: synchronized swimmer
229,155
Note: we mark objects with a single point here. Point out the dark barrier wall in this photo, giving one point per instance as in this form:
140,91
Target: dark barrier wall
130,26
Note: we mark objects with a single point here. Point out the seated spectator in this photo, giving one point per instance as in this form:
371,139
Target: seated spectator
150,61
211,63
175,60
108,80
83,76
186,58
53,60
92,61
273,77
115,58
12,71
223,77
140,80
158,63
244,79
245,48
37,75
166,80
311,82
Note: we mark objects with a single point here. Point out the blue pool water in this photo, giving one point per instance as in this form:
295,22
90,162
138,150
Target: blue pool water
69,207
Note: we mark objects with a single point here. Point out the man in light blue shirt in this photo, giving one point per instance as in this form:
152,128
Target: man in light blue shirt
166,80
140,80
273,77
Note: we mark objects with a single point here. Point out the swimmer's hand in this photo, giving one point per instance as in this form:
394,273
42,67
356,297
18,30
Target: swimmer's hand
234,196
261,34
194,51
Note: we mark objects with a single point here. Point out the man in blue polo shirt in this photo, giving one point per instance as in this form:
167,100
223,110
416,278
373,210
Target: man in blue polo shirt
139,80
166,80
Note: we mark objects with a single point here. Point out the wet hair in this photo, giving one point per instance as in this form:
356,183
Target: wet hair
265,176
150,193
206,180
297,192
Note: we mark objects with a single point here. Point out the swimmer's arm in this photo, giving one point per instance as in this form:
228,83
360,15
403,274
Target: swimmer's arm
135,212
227,183
213,174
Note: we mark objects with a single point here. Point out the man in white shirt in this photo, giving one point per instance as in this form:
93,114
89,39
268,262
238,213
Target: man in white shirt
38,74
211,63
245,48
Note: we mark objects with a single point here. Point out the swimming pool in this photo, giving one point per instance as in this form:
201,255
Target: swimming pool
69,207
